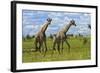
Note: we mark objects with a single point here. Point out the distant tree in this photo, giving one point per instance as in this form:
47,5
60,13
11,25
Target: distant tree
51,36
33,36
69,36
85,40
28,37
80,35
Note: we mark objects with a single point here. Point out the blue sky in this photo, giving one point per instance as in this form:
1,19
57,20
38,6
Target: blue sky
33,20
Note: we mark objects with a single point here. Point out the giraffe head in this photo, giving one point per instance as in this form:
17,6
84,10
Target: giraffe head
49,20
72,22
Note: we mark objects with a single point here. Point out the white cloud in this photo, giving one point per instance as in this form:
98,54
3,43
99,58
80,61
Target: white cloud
59,20
31,27
83,29
54,14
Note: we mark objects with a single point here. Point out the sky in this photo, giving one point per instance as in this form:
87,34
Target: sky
33,20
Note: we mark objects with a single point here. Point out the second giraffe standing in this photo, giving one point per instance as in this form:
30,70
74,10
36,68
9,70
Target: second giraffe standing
60,37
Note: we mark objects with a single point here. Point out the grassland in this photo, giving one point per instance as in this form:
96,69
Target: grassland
79,51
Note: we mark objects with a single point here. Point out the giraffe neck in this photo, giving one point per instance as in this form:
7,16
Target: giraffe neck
66,28
43,29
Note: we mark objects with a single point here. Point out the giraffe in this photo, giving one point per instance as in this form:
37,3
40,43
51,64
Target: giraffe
40,37
60,37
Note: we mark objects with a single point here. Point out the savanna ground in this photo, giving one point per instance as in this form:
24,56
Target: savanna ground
79,51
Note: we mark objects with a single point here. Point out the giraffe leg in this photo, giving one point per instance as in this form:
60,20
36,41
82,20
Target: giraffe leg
54,44
62,45
36,47
58,46
40,45
68,45
45,47
42,48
